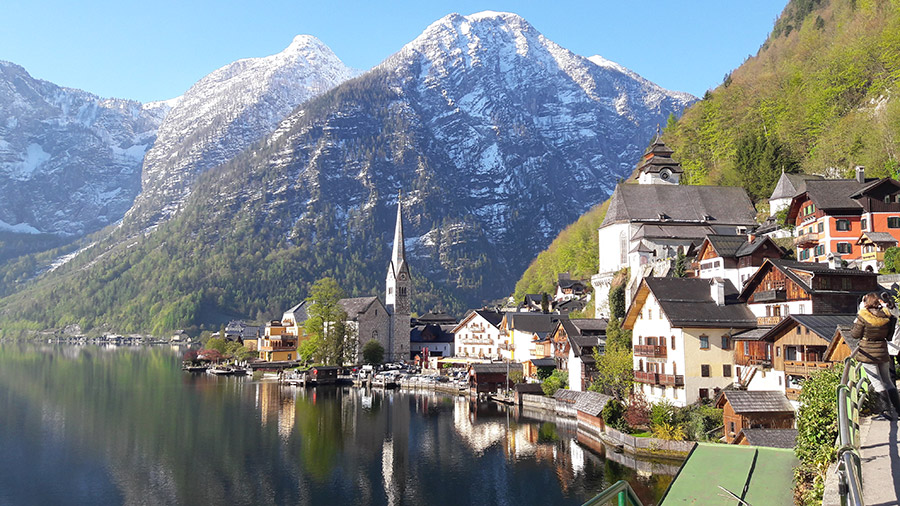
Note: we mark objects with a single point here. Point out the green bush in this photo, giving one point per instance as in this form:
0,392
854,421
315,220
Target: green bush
662,413
614,414
891,260
559,379
816,434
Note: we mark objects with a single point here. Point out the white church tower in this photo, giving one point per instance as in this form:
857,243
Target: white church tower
397,294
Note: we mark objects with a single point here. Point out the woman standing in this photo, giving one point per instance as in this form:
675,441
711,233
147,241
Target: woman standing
873,327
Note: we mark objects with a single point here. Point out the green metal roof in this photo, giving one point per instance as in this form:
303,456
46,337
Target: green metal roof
759,476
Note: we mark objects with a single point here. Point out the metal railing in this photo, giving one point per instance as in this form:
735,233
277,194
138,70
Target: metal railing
620,491
851,394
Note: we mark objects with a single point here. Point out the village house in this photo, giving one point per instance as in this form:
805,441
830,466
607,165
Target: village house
841,346
682,332
489,378
368,319
787,354
294,318
477,336
780,288
734,257
276,344
742,410
436,339
574,341
520,333
788,187
648,223
832,214
872,246
568,288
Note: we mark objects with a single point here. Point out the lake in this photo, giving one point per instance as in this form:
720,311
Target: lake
89,425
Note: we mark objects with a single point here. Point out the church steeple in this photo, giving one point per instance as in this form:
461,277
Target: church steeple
397,293
398,255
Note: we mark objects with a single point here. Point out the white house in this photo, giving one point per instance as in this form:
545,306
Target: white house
734,257
477,336
682,333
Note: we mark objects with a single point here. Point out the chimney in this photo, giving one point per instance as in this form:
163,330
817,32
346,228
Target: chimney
860,174
835,261
717,290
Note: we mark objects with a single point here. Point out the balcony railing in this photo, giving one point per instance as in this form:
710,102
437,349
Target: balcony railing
474,340
792,393
508,346
806,240
765,363
770,296
651,378
768,321
803,367
873,255
671,380
650,350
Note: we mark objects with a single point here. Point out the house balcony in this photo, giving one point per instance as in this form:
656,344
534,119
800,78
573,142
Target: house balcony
650,378
804,368
806,240
770,296
650,351
477,341
507,346
792,393
765,363
878,256
671,380
768,321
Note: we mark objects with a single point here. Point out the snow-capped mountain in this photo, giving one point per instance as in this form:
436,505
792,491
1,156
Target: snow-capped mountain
70,162
497,136
226,111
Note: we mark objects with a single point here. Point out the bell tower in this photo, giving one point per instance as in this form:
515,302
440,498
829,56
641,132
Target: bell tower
397,293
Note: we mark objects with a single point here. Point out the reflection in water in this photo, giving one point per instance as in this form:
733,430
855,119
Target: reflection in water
127,426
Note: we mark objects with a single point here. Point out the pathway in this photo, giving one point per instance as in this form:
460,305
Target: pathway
880,452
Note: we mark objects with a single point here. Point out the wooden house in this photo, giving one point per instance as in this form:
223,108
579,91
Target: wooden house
872,247
574,342
493,377
734,257
841,345
743,409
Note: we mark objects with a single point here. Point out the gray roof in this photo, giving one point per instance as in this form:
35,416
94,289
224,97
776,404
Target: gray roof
566,395
431,333
533,322
354,306
492,317
725,205
790,185
496,367
758,401
834,193
880,237
772,438
688,302
684,231
299,311
752,334
823,326
589,325
591,403
543,362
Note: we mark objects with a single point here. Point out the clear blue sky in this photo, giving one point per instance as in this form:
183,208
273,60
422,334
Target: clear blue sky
157,50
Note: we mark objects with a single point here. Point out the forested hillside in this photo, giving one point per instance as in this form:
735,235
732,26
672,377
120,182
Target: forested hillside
820,96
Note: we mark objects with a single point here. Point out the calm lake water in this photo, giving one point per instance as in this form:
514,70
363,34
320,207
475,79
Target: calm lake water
84,425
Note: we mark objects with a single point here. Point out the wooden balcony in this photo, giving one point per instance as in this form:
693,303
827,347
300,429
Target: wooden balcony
650,378
671,380
507,346
483,341
806,240
768,321
804,368
765,363
792,393
649,350
770,296
873,255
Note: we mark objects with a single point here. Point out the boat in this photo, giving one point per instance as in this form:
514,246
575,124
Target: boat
221,371
194,368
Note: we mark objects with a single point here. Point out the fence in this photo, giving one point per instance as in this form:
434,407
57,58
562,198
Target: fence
851,394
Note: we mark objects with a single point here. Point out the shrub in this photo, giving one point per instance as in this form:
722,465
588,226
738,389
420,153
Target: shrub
613,414
816,433
638,412
373,352
699,421
669,432
661,413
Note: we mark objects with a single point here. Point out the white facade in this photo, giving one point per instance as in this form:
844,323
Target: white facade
574,366
475,337
686,354
787,308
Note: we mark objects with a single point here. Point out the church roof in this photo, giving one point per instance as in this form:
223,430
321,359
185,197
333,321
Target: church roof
790,185
720,205
398,254
356,305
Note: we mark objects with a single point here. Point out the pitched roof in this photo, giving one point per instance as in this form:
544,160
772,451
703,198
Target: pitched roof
726,246
493,318
823,326
543,362
498,367
589,325
788,268
431,333
437,318
879,237
725,205
533,322
834,193
355,305
757,401
591,403
688,302
790,185
685,231
752,334
299,311
772,438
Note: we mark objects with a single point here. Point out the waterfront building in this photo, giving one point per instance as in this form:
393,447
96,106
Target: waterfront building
759,409
477,336
574,341
368,319
682,332
520,334
294,318
277,344
437,339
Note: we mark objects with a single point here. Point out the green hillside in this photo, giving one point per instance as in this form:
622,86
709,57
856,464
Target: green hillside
819,96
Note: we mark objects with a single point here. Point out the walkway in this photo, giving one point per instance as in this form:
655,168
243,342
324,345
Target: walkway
880,452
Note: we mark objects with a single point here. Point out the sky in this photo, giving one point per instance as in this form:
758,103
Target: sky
156,50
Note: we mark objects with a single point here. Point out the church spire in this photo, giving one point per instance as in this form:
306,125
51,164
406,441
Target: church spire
398,255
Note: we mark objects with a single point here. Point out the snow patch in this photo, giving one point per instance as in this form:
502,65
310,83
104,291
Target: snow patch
34,157
19,228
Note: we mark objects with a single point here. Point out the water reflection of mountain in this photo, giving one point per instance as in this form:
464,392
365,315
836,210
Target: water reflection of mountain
153,435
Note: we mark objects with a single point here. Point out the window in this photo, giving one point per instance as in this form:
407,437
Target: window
662,341
731,426
821,227
746,347
778,351
672,341
649,314
726,342
704,370
842,225
726,370
704,393
864,224
894,222
845,248
704,342
820,250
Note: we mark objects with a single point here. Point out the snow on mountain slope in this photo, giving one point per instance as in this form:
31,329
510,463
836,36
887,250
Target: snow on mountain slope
226,111
70,162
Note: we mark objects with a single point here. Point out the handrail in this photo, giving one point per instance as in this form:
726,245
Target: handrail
621,491
851,394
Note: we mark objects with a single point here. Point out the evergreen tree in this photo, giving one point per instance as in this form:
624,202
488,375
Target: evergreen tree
759,160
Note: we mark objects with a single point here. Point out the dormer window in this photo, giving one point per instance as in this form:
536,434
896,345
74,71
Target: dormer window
707,217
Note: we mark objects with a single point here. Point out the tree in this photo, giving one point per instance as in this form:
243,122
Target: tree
373,352
759,160
816,432
326,326
559,379
615,366
617,297
891,260
216,343
680,263
545,303
637,414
